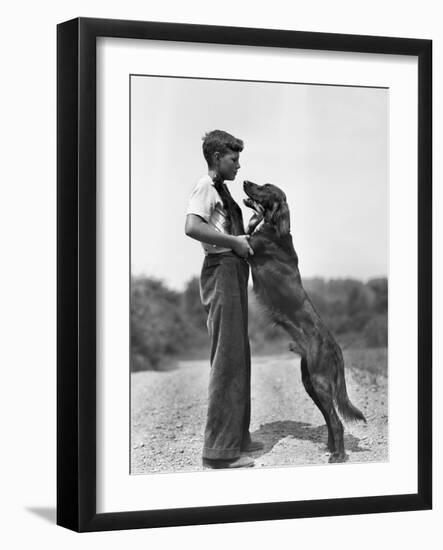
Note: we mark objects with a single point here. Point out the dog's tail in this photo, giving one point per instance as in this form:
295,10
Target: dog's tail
349,411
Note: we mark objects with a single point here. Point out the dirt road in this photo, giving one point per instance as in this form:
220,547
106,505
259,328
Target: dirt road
168,414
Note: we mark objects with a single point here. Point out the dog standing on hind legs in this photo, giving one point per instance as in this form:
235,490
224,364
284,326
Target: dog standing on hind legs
278,286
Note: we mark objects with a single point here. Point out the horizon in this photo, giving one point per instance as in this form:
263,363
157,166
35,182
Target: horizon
313,278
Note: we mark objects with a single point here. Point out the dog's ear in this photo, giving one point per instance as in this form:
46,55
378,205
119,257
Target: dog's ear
280,218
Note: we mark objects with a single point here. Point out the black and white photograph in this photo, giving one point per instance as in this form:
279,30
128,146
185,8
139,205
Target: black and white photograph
222,301
244,274
259,261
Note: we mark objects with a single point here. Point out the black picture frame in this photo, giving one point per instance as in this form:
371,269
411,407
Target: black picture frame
76,273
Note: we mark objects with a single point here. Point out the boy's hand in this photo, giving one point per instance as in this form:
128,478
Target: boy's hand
241,246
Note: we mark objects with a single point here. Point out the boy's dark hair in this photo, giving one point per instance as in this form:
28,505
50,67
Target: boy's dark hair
220,141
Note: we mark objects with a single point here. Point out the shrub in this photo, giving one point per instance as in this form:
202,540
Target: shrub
376,332
158,325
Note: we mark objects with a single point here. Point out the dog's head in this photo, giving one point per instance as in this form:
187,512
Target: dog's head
269,202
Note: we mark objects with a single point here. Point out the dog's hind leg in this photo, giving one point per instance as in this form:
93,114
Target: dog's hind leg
323,390
312,394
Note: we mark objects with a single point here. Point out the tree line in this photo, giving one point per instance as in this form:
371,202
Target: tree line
168,324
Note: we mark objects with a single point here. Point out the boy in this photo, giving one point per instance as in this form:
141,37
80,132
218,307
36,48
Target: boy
215,219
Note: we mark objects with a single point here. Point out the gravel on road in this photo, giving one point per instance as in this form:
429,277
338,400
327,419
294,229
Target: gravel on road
168,411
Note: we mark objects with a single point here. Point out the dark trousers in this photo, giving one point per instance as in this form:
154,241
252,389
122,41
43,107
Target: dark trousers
224,294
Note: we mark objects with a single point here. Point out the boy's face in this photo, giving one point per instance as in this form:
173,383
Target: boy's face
228,164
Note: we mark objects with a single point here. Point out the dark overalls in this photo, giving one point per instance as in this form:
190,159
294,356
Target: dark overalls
224,294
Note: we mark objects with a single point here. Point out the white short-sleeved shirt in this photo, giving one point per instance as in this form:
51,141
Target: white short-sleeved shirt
205,202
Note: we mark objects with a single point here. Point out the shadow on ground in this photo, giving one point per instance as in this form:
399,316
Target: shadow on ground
272,432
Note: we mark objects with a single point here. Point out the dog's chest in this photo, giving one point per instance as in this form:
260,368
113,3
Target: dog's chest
277,285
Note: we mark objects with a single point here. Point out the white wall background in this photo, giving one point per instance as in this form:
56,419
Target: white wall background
28,277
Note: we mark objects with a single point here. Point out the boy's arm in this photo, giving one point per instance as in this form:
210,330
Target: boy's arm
199,229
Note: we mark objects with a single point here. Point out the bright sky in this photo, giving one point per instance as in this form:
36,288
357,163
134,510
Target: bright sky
325,146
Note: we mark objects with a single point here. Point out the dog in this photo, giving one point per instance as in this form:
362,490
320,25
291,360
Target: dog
278,286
